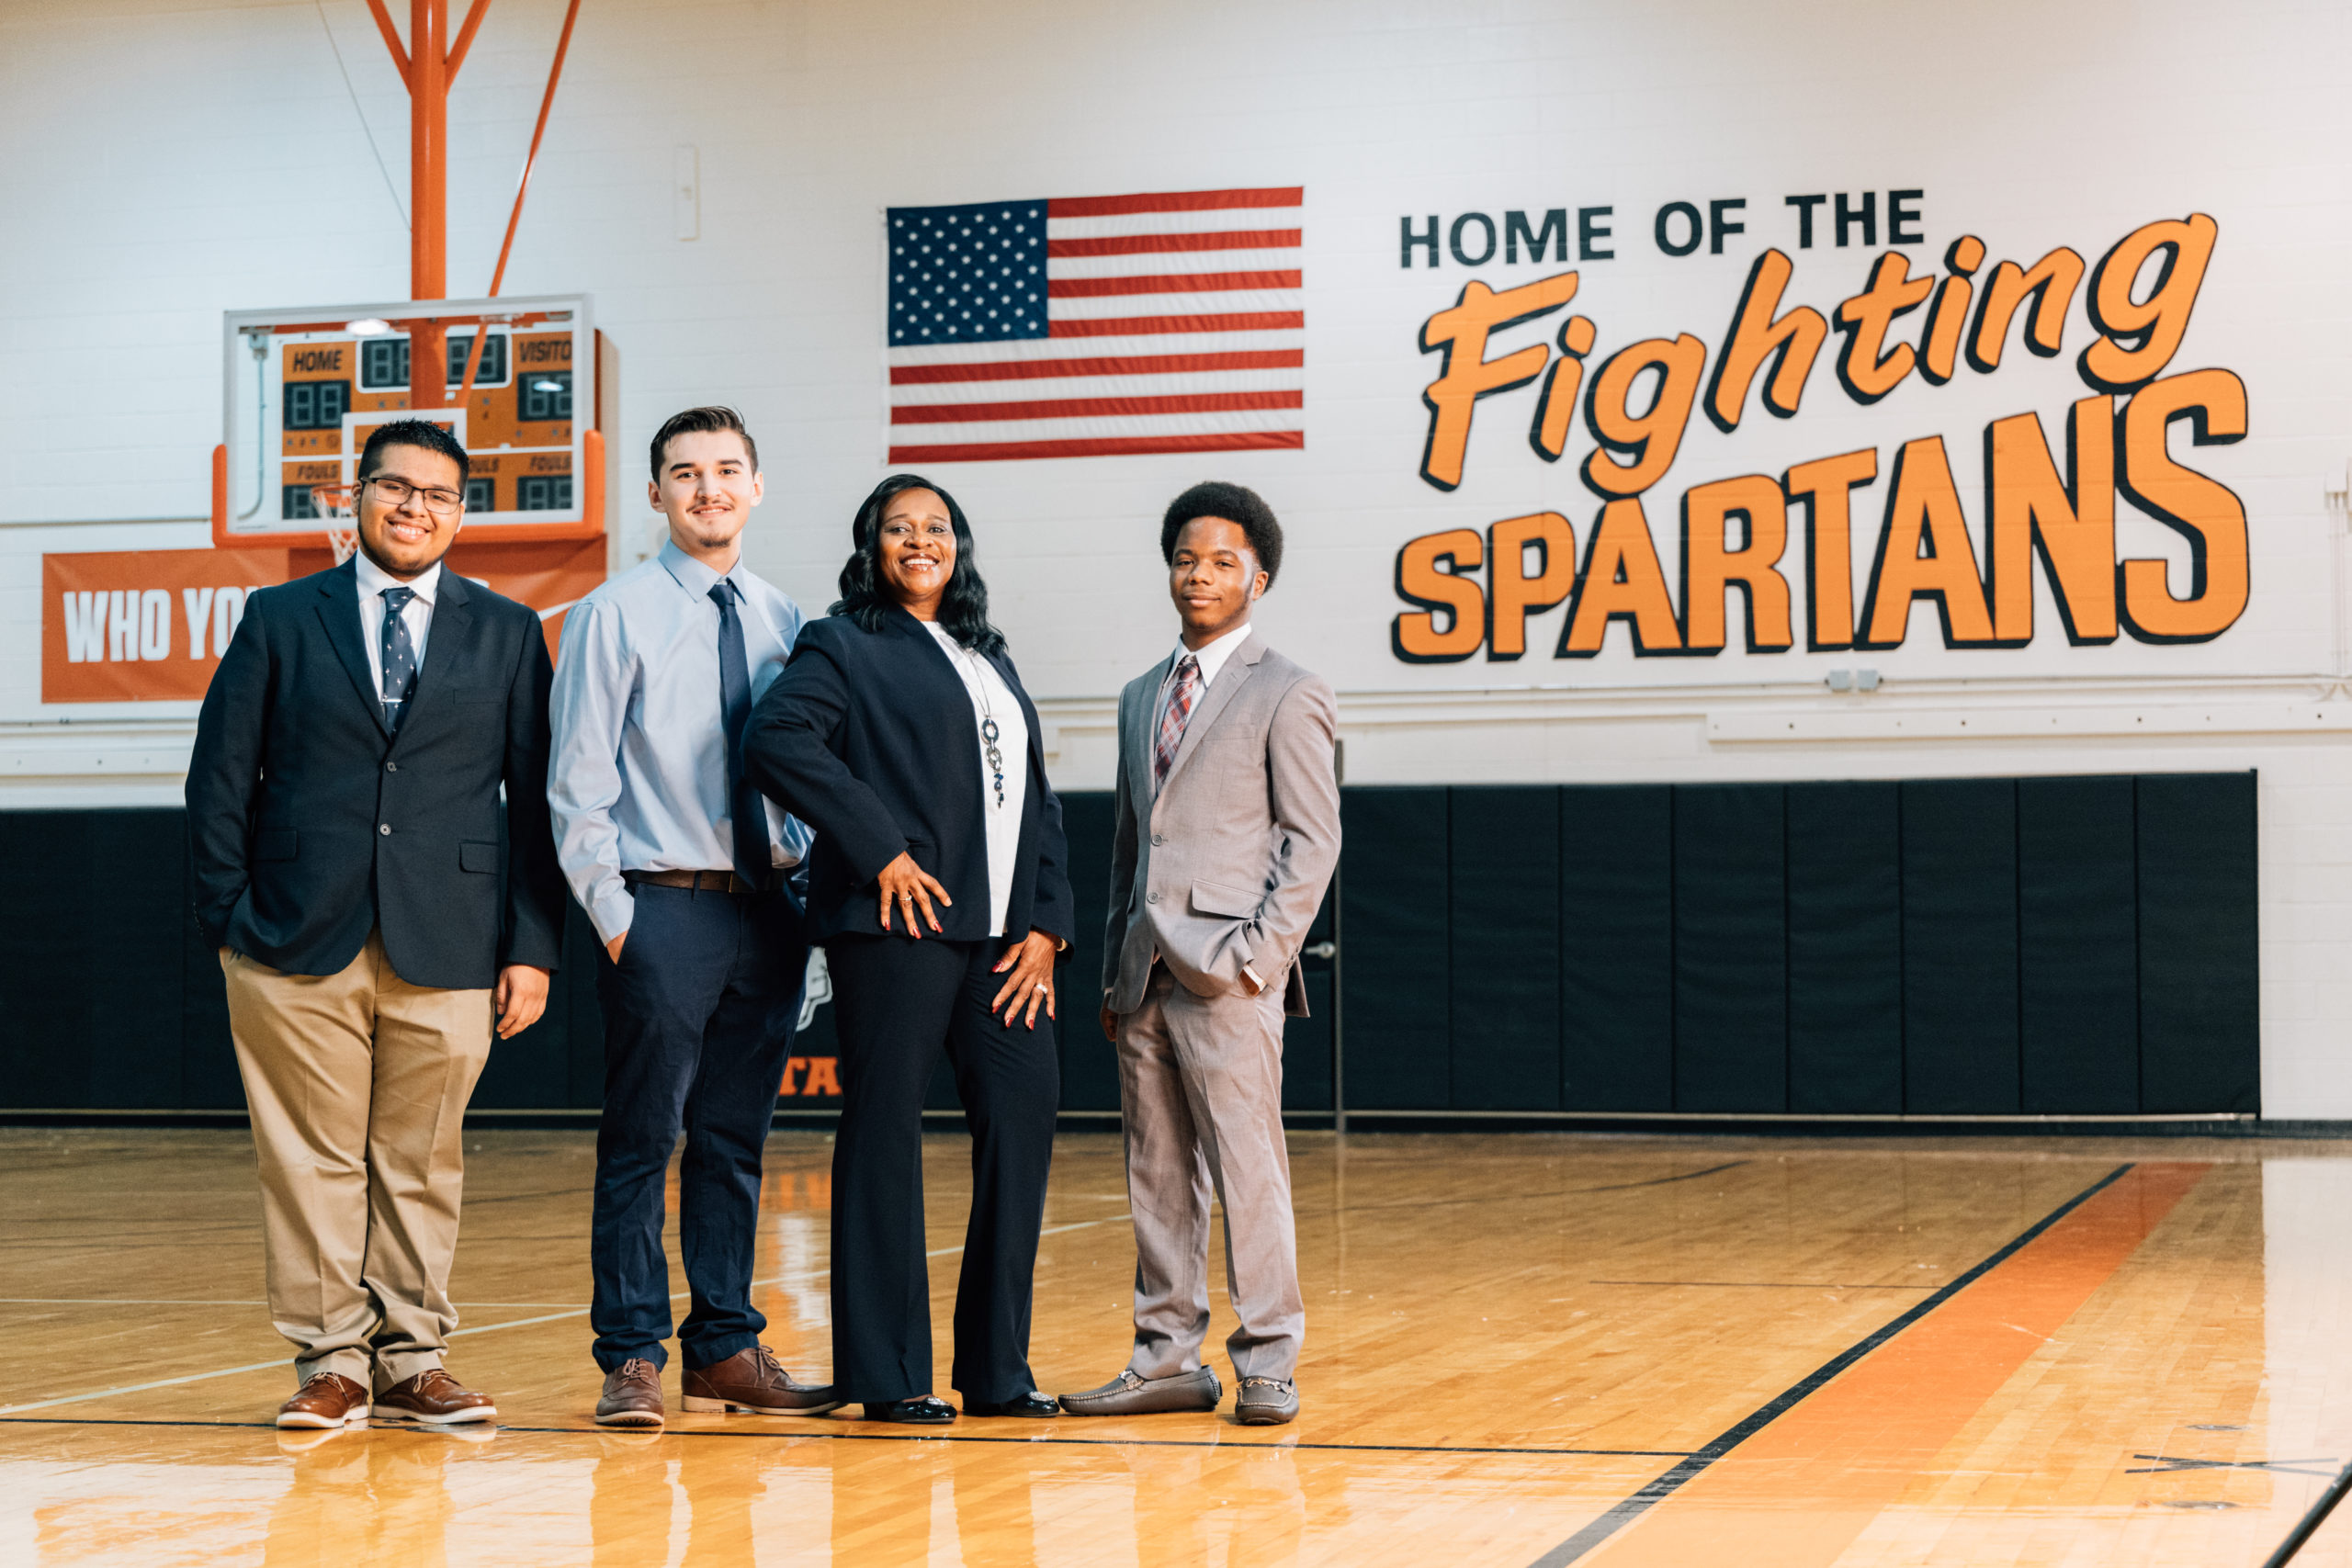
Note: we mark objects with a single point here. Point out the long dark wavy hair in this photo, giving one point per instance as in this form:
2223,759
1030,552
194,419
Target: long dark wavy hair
962,609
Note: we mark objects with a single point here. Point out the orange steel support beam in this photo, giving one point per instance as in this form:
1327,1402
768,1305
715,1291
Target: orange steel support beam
465,40
428,157
522,187
392,37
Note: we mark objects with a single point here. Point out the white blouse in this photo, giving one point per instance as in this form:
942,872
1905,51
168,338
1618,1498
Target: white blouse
992,698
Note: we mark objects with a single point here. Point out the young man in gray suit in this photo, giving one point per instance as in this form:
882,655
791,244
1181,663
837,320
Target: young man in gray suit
1228,831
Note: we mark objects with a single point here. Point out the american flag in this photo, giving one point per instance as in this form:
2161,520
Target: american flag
1097,326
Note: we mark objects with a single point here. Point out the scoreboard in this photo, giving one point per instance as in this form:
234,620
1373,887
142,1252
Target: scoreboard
304,388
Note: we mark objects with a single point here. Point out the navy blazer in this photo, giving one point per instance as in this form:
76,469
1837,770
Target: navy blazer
310,823
868,738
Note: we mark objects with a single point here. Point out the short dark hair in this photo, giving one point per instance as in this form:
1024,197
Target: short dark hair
717,417
1238,504
411,433
962,609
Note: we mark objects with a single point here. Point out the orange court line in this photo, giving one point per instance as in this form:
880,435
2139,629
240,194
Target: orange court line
1797,1492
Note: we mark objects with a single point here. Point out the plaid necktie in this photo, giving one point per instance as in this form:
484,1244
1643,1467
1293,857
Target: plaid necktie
399,658
1173,719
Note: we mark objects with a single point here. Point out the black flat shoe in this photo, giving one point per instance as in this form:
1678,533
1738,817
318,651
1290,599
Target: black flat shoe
1033,1404
925,1411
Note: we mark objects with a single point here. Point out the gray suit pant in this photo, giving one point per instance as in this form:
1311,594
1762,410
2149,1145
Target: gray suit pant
1201,1093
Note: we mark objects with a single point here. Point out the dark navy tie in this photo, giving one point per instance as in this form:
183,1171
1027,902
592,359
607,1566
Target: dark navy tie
754,855
399,658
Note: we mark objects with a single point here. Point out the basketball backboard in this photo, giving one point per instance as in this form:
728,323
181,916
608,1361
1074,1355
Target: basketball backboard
303,386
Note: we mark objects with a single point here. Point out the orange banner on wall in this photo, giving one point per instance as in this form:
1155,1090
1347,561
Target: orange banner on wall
150,625
143,626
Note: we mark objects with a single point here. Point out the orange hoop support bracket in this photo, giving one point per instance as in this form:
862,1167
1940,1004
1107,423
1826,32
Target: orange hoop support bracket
221,539
465,40
523,185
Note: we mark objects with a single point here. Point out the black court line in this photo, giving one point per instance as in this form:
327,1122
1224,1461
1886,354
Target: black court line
1041,1441
2165,1465
1760,1284
1677,1476
1559,1193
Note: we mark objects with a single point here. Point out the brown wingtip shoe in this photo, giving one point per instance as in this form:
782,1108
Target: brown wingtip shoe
753,1379
435,1398
326,1399
632,1397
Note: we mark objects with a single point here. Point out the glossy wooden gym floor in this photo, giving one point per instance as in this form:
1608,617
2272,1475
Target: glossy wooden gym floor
1522,1349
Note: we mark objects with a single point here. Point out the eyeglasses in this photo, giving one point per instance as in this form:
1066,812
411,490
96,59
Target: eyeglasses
395,494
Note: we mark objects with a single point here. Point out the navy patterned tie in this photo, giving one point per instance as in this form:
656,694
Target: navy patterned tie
399,658
753,854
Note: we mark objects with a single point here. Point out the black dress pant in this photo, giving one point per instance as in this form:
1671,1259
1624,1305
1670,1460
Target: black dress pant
699,1020
897,1003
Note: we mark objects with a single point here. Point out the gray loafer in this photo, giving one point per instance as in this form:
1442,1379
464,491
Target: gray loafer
1130,1395
1266,1402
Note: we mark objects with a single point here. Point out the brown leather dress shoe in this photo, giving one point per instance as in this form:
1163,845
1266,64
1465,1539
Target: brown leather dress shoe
435,1398
754,1381
632,1397
326,1400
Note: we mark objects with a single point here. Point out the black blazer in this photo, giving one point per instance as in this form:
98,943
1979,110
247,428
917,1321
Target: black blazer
868,738
299,802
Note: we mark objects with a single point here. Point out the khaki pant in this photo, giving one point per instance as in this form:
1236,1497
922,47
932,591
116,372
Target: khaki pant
1201,1095
357,1084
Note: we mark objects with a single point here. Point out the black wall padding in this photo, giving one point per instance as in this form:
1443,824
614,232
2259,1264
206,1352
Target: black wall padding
1616,948
1504,940
2078,963
1089,1063
558,1062
1307,1042
1960,947
2200,993
96,961
1731,1038
1844,948
2063,946
1393,908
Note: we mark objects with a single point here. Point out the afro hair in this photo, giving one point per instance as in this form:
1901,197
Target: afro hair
1237,504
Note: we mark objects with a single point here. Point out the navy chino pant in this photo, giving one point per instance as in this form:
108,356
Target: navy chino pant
698,1019
898,1003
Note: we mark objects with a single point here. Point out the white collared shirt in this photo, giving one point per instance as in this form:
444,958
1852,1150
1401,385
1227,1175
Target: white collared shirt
417,614
1211,657
637,779
992,698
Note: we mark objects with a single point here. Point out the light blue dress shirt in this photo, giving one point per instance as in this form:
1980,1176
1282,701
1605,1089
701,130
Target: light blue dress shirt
637,778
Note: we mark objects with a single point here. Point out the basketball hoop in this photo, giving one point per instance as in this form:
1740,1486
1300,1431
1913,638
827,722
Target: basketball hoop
335,503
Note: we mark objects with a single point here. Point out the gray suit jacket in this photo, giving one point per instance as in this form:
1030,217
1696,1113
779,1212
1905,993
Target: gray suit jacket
1225,864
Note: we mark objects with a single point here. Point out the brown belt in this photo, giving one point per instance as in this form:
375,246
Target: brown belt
697,881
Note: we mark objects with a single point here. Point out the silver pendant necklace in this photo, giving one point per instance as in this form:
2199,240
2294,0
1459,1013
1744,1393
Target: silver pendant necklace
988,732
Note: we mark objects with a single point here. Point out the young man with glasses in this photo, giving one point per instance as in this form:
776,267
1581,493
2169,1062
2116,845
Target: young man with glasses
344,815
685,872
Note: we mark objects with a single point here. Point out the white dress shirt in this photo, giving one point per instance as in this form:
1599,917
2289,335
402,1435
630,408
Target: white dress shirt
638,777
992,698
417,614
1214,655
1211,660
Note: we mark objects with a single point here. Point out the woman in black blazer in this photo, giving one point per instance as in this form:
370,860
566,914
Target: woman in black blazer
901,733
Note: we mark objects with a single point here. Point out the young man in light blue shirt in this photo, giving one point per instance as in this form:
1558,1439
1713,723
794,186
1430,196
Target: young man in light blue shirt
685,872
